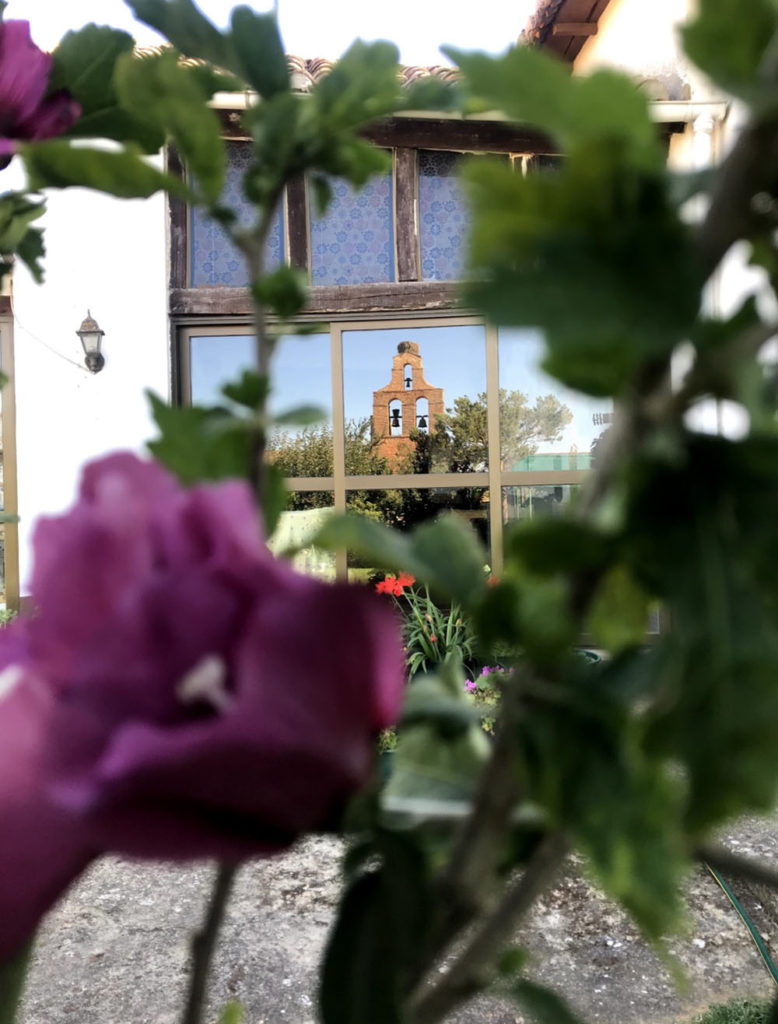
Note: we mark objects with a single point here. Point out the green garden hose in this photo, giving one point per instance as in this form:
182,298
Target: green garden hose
763,952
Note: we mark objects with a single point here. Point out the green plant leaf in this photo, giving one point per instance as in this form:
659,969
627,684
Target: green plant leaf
550,546
445,554
257,43
536,89
187,28
31,251
285,291
199,444
572,234
731,50
166,91
233,1013
251,390
300,415
57,164
542,1004
618,614
84,63
13,974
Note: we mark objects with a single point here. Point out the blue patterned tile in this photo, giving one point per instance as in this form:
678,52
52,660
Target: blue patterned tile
444,218
213,259
353,243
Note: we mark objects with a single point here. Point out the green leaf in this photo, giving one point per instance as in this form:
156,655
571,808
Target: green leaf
198,444
432,701
233,1013
445,554
730,50
162,89
542,1004
550,546
300,415
57,164
84,63
258,45
535,89
434,766
274,497
251,390
31,251
285,291
618,614
383,922
187,28
17,212
13,974
572,234
361,87
322,193
702,536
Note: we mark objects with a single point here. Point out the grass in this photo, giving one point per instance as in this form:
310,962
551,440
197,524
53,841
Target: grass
738,1011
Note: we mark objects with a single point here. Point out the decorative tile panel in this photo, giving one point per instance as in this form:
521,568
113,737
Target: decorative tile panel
214,260
353,243
444,219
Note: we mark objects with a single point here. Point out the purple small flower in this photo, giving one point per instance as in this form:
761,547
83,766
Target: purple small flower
180,693
470,686
26,112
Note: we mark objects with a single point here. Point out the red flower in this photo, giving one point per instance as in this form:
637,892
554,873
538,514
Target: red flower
405,580
433,638
387,586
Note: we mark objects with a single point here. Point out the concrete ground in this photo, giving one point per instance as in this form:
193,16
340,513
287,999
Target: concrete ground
115,950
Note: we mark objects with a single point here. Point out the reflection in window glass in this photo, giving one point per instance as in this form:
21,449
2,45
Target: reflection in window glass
393,377
543,424
444,219
301,369
533,502
353,243
306,513
405,509
213,259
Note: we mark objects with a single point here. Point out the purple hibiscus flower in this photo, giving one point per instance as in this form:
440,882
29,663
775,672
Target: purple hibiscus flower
26,112
180,693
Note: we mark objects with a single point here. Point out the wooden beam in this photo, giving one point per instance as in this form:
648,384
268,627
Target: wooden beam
408,261
350,299
575,28
297,222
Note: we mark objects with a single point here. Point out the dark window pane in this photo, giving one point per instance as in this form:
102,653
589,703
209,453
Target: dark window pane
353,243
213,259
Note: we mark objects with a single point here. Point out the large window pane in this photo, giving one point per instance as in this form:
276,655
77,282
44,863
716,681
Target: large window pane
213,259
301,377
353,243
415,400
543,424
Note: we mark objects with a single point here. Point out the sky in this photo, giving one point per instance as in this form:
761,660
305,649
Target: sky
316,28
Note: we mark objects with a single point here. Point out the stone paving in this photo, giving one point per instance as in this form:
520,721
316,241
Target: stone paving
115,950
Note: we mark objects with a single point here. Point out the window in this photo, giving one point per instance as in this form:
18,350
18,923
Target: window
424,408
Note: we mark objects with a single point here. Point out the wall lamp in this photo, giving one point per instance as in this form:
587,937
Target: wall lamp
91,337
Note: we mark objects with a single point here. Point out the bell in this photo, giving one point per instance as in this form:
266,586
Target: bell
422,422
395,421
408,383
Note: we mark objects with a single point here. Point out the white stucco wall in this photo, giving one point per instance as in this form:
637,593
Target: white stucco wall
108,256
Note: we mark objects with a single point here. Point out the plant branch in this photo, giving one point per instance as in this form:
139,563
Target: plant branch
723,860
204,943
466,974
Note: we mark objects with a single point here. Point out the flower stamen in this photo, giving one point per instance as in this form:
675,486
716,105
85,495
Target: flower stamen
206,682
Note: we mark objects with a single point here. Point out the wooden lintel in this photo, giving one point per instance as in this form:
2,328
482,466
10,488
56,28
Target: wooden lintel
350,299
575,28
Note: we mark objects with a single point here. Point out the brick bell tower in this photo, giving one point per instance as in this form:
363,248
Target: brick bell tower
405,403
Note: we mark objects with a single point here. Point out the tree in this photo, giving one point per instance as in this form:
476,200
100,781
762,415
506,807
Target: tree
458,442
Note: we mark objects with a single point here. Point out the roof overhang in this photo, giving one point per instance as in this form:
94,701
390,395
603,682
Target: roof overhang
563,26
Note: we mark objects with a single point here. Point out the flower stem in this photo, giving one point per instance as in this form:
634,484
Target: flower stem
204,943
